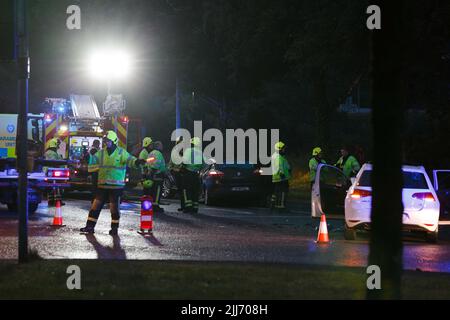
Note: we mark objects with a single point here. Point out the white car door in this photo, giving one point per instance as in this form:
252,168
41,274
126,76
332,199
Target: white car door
329,191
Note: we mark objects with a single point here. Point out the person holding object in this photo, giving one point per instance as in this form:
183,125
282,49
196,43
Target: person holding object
110,163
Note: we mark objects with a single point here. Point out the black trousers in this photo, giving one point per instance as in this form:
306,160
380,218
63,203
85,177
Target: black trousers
154,192
53,196
113,195
280,191
180,186
191,190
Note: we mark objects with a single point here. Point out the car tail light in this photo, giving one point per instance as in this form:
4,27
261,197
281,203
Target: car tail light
258,172
359,193
426,196
215,173
63,173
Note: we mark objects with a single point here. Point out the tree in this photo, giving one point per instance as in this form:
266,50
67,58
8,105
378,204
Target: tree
388,104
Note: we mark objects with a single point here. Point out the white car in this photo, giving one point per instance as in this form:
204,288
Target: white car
421,204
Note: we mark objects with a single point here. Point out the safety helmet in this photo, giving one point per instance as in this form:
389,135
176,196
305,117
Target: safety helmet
279,145
195,141
316,151
147,184
111,135
53,143
147,141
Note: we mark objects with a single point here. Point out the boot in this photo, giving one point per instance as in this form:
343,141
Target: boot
88,230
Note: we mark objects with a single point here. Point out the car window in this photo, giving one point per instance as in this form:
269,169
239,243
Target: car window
332,177
411,180
443,179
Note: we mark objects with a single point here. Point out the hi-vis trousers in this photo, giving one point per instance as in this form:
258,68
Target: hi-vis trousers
191,191
113,195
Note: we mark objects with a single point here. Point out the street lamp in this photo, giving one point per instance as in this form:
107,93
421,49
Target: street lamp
109,65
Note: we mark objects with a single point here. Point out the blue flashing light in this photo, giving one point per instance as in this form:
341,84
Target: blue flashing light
146,205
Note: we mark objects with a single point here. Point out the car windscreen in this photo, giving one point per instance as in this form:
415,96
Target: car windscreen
443,178
411,180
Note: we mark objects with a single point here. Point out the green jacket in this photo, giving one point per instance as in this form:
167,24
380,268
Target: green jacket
193,159
51,155
111,168
144,155
159,165
313,164
350,167
281,170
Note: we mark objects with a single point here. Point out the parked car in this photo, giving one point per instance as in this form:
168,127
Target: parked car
223,181
333,193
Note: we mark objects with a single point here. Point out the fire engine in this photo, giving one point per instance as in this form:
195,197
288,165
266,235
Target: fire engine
77,122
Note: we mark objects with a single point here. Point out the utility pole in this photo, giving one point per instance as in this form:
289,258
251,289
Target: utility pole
23,67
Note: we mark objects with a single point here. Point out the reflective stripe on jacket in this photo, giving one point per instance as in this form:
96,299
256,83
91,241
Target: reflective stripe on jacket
111,168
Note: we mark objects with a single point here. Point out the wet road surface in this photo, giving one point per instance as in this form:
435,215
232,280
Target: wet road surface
215,234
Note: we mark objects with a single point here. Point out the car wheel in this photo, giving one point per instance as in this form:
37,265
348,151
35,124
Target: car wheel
431,237
13,207
209,201
349,234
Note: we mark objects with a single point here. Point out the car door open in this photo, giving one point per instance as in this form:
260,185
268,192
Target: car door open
328,191
441,183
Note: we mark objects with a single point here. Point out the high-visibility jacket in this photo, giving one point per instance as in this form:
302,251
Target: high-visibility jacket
51,154
193,159
144,156
313,164
159,165
112,167
281,170
350,166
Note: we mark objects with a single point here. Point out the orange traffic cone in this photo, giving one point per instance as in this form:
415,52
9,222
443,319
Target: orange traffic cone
57,218
322,237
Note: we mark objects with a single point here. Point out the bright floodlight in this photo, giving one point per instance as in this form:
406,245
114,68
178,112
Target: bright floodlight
110,64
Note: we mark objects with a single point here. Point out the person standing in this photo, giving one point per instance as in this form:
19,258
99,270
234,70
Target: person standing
147,182
281,174
94,175
176,169
110,163
314,163
52,154
192,164
348,163
157,171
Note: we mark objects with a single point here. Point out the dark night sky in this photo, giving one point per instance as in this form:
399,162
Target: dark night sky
274,63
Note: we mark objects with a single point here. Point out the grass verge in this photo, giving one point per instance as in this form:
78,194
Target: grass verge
103,279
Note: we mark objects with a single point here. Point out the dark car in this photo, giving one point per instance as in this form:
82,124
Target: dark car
220,182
